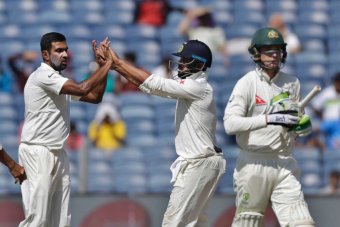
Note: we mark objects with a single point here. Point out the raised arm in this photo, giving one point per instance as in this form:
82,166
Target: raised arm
92,89
135,75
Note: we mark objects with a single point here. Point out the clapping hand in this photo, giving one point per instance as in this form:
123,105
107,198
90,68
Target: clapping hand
102,53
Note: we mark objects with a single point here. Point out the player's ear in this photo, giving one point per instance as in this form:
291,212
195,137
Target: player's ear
45,55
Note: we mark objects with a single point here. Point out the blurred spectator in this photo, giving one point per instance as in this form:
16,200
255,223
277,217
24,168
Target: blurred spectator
163,69
333,184
22,65
293,42
326,105
108,130
199,24
110,83
122,84
75,140
6,81
152,12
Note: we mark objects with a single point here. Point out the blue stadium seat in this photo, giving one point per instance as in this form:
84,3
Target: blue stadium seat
174,18
135,183
141,32
169,33
248,6
244,31
184,4
100,183
118,17
307,31
127,154
23,18
246,18
86,6
223,18
134,98
141,140
55,17
35,31
314,17
159,182
289,6
114,32
137,112
314,5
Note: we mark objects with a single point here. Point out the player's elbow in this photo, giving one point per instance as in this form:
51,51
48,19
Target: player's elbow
228,127
98,100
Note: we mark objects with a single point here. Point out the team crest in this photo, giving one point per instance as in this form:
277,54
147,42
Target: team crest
180,49
273,34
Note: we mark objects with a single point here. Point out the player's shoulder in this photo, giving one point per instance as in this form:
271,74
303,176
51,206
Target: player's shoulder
289,77
247,78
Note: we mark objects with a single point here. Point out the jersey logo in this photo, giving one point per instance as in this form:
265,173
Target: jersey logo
181,81
259,100
49,76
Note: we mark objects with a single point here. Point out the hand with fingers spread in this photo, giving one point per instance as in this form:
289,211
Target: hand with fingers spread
115,58
102,54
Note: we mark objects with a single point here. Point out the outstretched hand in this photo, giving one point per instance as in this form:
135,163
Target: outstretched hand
105,52
18,172
102,54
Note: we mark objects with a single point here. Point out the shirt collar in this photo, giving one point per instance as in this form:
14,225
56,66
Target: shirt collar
46,66
199,76
263,75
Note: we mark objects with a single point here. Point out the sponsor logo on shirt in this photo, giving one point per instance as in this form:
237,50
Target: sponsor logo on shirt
181,81
259,100
49,76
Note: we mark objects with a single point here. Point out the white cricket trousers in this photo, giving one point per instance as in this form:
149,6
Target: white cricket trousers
193,189
46,192
263,178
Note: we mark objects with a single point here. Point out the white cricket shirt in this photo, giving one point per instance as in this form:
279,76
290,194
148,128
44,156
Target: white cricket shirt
47,113
195,119
245,113
328,102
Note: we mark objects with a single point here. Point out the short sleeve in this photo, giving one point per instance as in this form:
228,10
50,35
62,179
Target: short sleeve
52,81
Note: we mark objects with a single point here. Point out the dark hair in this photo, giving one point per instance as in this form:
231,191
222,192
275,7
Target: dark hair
336,77
47,40
206,20
130,56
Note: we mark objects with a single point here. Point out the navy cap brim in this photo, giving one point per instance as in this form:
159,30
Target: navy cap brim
177,54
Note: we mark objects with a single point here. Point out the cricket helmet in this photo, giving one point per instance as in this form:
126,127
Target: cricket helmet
267,36
195,56
195,49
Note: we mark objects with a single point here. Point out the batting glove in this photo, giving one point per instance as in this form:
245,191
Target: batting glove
286,120
304,126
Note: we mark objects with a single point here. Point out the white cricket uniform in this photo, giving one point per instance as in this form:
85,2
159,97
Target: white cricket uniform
198,168
265,170
46,192
328,102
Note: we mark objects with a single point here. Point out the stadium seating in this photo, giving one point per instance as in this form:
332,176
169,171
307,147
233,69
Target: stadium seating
150,119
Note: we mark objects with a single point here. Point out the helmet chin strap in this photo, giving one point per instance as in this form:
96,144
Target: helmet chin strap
280,66
189,71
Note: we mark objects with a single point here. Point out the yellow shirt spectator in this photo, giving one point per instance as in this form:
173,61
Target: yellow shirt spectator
107,131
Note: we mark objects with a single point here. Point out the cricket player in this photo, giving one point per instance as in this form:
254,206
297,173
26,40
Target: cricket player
263,114
47,94
200,165
16,170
